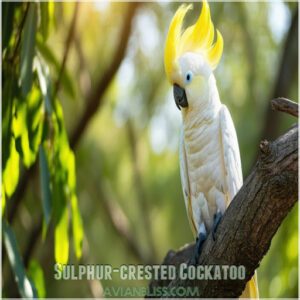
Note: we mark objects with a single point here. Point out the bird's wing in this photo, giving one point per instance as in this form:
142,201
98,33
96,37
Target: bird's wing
231,154
185,182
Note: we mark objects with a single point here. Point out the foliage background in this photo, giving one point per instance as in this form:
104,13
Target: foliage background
101,64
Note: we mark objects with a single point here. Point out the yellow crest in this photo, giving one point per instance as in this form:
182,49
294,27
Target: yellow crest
196,38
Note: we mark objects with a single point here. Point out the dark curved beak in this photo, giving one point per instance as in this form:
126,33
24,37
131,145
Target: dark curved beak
180,96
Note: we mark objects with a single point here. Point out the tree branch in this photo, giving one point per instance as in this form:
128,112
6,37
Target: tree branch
245,233
285,105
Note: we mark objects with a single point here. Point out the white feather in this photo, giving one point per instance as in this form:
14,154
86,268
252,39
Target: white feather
231,154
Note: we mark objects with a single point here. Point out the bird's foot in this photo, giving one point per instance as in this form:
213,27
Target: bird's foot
217,218
198,248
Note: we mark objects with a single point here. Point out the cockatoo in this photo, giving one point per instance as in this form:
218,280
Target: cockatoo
210,164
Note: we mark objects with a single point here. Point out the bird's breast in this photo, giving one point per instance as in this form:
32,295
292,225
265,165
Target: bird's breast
204,156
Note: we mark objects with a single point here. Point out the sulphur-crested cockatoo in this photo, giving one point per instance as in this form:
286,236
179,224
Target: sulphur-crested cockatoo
210,164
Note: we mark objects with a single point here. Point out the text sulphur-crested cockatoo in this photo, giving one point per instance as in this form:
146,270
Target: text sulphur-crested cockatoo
210,164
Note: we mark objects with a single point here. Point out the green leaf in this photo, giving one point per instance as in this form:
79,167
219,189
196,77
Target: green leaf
61,237
35,120
61,216
60,205
44,25
67,177
63,177
7,116
26,288
77,227
28,126
36,274
10,174
45,84
28,49
70,163
3,199
8,9
49,56
45,184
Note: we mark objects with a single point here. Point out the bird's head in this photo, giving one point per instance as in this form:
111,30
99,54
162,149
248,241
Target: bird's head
191,56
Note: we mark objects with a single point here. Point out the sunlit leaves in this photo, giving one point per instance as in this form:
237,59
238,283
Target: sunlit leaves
26,288
36,275
7,116
45,83
10,158
50,58
76,227
76,217
3,199
33,132
45,184
61,237
10,175
28,126
64,183
58,166
46,13
28,48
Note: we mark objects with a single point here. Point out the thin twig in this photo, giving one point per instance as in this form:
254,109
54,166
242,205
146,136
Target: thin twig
285,105
68,43
12,59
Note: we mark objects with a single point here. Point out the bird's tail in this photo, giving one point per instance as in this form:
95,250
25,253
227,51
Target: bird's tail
251,289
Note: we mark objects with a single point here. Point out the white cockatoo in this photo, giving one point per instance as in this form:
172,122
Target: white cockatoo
210,164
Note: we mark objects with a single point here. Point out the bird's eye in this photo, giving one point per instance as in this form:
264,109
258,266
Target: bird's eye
188,77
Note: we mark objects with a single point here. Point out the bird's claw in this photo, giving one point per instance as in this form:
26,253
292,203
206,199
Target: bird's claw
198,247
217,219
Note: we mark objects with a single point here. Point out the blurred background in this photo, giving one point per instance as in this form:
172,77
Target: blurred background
104,64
